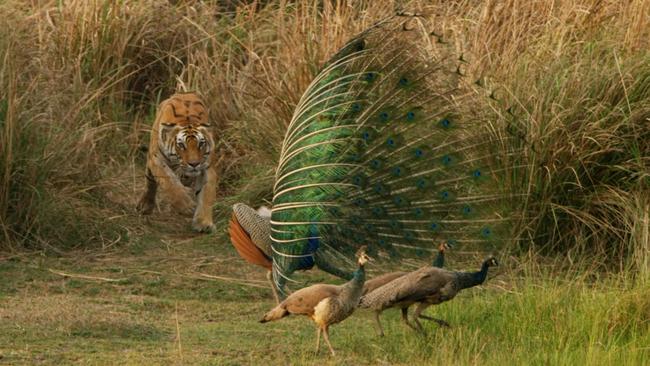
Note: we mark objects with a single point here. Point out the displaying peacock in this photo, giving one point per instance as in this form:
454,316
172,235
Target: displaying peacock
390,148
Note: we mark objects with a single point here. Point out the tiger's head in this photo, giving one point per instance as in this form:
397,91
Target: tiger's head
184,135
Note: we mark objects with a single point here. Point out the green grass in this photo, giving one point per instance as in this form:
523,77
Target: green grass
78,88
516,318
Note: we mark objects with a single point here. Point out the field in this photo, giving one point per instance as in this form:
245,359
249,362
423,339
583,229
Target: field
191,300
84,279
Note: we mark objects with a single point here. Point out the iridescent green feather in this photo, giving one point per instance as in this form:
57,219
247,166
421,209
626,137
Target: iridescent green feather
386,149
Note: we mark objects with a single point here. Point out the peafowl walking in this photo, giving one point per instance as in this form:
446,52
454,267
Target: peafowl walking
426,286
324,304
383,279
388,147
379,281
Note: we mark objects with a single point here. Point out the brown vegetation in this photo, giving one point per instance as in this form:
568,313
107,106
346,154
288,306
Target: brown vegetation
79,80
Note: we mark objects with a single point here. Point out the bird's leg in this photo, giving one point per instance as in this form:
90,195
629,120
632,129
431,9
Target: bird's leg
269,277
416,315
440,322
405,318
381,330
318,330
327,339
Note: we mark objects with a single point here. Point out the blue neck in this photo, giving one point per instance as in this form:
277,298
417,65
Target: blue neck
359,275
439,261
471,279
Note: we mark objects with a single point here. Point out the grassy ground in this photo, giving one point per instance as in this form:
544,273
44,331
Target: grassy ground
85,280
190,300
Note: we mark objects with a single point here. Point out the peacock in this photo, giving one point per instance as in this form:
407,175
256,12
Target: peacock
391,146
250,234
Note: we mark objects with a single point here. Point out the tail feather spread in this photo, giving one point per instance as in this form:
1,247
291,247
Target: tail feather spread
394,145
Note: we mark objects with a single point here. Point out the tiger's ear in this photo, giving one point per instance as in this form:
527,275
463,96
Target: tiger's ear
167,126
167,114
166,117
166,129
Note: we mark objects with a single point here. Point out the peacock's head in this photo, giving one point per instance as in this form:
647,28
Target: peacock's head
491,262
363,258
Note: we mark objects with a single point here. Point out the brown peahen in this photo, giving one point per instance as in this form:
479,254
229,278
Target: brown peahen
383,279
379,281
324,304
389,146
425,286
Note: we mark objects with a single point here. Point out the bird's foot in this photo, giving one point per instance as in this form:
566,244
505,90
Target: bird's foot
417,327
440,322
408,323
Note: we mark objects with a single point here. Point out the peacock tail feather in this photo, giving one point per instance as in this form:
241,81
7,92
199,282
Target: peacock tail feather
387,148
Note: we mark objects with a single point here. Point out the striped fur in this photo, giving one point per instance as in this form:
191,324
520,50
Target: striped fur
181,159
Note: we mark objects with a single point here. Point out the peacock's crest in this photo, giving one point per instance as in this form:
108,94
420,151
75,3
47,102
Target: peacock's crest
388,148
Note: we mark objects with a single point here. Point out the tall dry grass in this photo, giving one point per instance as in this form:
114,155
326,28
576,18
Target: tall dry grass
79,81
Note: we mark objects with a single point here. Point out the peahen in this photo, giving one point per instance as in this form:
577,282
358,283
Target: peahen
379,281
325,304
391,146
383,279
425,287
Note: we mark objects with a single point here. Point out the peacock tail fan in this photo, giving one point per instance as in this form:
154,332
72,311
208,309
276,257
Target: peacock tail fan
389,148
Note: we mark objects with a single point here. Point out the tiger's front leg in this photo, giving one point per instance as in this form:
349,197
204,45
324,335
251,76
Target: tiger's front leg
202,221
148,200
171,186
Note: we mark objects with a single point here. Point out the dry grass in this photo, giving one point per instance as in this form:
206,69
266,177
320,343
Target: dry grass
79,81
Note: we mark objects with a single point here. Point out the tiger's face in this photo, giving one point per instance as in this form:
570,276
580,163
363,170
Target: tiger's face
192,148
185,139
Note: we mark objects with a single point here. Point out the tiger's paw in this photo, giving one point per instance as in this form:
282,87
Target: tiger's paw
203,226
145,206
185,207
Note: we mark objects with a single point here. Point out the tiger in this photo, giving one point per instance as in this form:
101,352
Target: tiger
181,160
